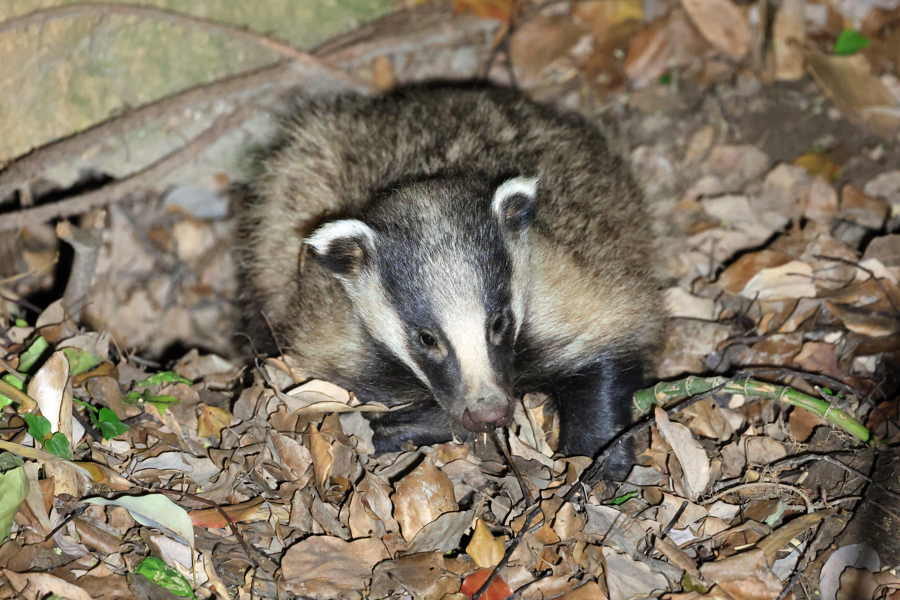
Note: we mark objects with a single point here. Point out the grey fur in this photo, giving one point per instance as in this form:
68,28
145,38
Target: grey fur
407,164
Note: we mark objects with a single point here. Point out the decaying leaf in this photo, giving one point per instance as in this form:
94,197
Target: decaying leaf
154,510
849,83
722,24
421,497
689,452
343,565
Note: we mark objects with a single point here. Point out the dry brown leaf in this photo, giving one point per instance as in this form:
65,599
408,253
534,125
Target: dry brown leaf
745,268
688,344
567,523
589,591
442,534
343,565
627,578
849,83
862,209
790,280
707,420
500,10
377,494
213,519
34,586
864,321
542,41
821,204
788,29
783,535
293,455
762,450
484,548
610,523
421,497
383,75
742,574
322,457
601,15
689,452
803,422
211,420
722,24
422,575
819,357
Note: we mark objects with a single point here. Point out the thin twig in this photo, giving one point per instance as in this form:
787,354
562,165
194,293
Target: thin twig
509,551
133,183
866,270
502,445
678,513
810,507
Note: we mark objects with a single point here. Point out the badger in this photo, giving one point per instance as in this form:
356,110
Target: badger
450,249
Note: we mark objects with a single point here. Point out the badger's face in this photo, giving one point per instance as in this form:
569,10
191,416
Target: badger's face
429,270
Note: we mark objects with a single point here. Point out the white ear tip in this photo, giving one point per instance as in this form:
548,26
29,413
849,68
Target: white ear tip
511,187
322,237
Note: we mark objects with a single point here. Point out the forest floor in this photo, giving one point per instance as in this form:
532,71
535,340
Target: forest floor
144,457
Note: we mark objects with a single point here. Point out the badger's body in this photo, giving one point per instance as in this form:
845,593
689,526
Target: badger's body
454,249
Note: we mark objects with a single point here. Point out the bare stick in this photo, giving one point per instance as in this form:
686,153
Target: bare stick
86,244
18,173
131,184
810,508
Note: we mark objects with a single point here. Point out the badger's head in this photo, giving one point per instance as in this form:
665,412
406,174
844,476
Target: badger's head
429,269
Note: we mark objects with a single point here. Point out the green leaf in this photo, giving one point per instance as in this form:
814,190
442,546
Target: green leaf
58,444
157,571
164,377
80,361
13,489
87,406
38,426
109,423
21,323
30,357
850,42
666,79
623,498
160,402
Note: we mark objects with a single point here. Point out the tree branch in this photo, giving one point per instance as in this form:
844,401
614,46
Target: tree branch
133,183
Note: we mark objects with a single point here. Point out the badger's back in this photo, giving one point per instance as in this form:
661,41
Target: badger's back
588,272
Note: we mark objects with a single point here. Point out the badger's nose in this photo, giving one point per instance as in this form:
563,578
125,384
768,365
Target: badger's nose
486,414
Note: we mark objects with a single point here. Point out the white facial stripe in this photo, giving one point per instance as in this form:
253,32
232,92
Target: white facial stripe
382,320
461,313
511,187
322,237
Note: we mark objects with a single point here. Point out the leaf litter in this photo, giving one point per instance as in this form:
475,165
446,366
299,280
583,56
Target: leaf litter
202,477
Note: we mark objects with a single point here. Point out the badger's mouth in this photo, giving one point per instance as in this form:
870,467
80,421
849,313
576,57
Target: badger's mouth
485,415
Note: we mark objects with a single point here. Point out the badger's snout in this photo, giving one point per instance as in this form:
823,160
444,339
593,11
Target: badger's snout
486,413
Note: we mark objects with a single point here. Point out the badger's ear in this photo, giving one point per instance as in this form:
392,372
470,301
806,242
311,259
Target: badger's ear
514,203
343,247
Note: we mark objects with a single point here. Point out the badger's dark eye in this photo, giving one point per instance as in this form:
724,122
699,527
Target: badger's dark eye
500,324
427,340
